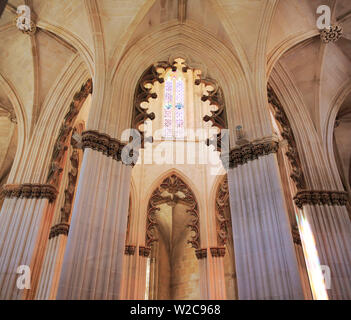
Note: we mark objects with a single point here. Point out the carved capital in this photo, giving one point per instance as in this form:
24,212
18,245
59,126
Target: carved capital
130,250
218,252
201,253
144,251
317,197
29,191
56,230
103,143
251,151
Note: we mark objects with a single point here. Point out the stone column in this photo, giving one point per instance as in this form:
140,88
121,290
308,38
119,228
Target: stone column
92,266
327,215
216,276
25,221
266,263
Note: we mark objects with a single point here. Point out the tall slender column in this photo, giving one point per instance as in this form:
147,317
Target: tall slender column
266,263
25,221
327,215
92,266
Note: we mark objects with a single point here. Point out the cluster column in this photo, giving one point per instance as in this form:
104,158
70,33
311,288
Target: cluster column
266,263
327,215
25,220
92,266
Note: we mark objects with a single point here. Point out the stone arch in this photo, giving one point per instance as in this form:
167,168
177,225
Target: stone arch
22,121
173,184
194,43
328,129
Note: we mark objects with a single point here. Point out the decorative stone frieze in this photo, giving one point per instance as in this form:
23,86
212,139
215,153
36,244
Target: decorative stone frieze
218,252
130,250
29,191
297,174
316,197
62,141
251,151
173,184
68,198
103,143
59,229
144,251
222,203
201,253
331,34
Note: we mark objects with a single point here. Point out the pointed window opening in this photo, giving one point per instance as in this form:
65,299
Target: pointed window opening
173,107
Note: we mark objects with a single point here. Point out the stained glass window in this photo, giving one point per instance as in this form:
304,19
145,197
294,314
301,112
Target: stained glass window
167,116
173,116
179,109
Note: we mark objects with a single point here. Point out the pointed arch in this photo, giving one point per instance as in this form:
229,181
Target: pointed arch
174,185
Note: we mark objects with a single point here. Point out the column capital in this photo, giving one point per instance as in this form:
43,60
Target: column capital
144,251
252,151
218,252
103,143
129,250
201,253
29,191
319,197
58,229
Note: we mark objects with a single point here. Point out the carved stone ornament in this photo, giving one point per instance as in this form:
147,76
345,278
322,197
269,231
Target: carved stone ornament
331,34
201,253
29,191
174,186
218,118
251,151
103,143
296,235
144,251
218,252
59,229
222,203
297,174
316,197
63,139
129,250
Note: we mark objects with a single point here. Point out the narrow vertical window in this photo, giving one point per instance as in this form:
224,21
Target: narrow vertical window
179,109
173,113
167,115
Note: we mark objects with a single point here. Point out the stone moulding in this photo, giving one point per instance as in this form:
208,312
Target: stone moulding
30,191
129,250
59,229
201,253
317,197
217,252
251,151
103,143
